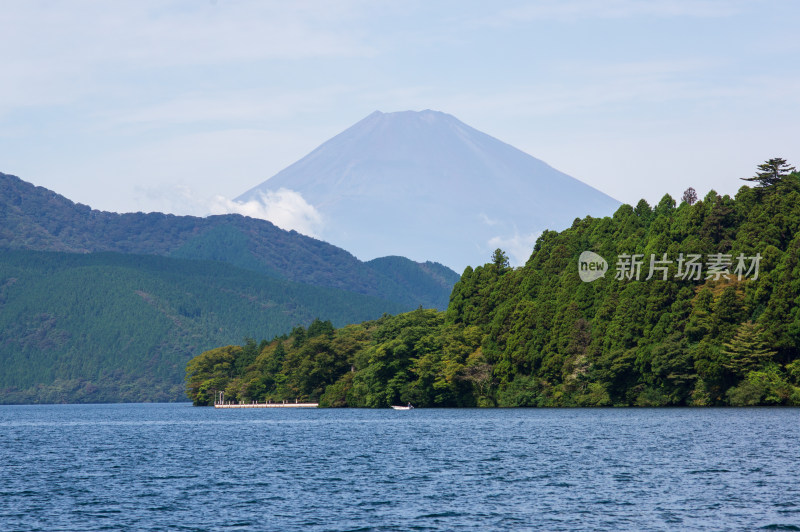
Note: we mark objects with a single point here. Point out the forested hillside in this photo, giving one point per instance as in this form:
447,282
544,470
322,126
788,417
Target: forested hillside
35,218
700,306
108,327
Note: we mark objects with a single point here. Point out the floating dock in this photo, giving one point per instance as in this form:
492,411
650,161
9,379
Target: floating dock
266,405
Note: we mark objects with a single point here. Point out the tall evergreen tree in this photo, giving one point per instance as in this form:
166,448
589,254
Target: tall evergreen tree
500,259
747,350
771,172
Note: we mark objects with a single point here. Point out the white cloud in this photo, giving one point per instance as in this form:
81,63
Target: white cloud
285,208
518,247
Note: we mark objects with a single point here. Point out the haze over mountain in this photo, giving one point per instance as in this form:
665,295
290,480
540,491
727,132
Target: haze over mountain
426,185
35,218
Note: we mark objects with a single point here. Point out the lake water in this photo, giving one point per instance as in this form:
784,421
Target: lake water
175,467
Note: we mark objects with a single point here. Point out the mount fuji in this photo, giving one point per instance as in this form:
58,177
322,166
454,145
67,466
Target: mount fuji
427,186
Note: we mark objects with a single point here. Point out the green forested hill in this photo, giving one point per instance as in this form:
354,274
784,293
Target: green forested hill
98,306
35,218
113,327
540,336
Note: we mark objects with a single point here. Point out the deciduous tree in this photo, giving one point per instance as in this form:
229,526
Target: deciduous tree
689,196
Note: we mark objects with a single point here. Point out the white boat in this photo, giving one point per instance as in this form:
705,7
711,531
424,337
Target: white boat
409,407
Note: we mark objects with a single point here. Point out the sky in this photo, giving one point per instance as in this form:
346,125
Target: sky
180,106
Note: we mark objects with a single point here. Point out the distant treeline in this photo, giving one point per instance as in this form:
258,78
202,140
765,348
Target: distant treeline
540,336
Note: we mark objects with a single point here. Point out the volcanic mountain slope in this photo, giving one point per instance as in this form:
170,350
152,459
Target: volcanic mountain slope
424,184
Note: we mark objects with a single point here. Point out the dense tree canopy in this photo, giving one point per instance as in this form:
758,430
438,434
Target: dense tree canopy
707,312
108,327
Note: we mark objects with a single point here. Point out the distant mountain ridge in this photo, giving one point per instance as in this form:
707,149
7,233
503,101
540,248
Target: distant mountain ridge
424,184
35,218
105,307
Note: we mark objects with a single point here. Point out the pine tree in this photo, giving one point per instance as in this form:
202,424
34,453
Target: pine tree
280,352
500,259
746,351
771,172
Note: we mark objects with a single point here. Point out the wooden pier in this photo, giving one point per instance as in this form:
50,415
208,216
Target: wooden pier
219,402
266,405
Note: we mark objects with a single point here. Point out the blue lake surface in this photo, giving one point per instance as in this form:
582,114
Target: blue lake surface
175,467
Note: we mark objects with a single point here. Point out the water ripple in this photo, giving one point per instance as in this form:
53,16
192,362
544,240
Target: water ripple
173,467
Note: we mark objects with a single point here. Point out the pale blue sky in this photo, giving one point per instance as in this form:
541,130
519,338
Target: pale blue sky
168,105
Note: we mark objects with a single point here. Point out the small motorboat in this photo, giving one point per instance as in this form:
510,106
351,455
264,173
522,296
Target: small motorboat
408,407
